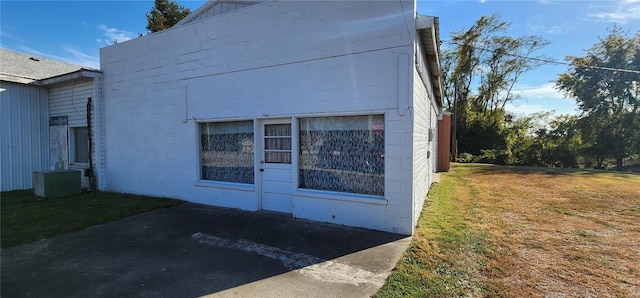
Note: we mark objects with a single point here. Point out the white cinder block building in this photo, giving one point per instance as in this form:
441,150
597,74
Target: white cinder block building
325,110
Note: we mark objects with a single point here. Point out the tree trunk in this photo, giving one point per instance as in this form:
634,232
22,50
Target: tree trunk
619,163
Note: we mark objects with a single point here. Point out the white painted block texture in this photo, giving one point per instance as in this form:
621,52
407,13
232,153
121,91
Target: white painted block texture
276,59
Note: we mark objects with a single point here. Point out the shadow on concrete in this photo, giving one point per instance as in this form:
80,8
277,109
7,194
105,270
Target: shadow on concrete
186,251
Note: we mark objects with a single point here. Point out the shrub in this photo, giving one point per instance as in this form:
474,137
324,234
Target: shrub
465,157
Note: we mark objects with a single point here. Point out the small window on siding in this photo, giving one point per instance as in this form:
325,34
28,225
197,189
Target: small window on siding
343,154
79,145
226,151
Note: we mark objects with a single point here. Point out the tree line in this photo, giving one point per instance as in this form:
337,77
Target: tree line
482,64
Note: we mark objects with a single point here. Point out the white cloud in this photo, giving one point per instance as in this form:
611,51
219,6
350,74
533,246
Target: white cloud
35,52
617,12
546,91
525,109
4,34
81,58
113,35
541,98
551,29
72,56
555,29
540,24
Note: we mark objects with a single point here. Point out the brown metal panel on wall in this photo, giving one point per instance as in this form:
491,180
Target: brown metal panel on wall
444,142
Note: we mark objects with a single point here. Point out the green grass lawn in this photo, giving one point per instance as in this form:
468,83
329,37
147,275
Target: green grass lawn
445,253
24,218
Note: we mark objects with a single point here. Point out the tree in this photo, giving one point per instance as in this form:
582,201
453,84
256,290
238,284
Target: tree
605,84
481,67
165,14
503,66
562,144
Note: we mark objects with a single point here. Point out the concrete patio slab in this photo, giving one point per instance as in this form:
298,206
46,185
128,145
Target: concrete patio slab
193,250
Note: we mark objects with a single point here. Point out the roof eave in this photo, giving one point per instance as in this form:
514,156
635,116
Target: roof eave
16,79
429,30
78,74
203,8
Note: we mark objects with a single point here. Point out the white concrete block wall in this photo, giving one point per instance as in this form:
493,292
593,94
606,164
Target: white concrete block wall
425,132
423,146
98,126
274,59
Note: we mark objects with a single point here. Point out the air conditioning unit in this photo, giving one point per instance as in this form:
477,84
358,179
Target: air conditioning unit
56,184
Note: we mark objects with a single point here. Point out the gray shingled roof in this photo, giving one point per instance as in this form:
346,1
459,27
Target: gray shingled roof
21,67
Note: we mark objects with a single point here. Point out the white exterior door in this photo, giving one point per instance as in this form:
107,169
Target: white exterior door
58,143
276,169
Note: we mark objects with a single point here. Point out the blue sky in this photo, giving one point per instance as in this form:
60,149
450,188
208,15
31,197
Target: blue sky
74,31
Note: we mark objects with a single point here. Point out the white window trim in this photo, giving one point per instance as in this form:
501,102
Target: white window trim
226,185
340,196
297,192
221,184
72,149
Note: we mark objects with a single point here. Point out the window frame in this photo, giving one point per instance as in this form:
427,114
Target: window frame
73,148
337,194
242,186
266,150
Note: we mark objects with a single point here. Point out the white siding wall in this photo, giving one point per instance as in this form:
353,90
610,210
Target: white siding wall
24,135
274,59
70,99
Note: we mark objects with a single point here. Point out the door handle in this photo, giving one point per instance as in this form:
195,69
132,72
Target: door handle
261,170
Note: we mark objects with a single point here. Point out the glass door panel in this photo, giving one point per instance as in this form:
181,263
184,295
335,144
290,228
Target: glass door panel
277,143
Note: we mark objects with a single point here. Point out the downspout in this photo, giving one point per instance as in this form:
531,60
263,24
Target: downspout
92,177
